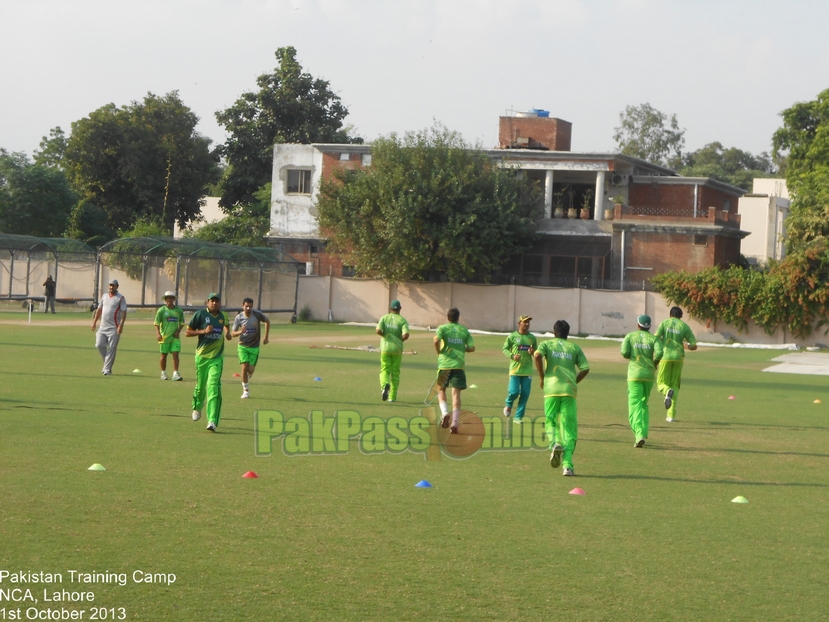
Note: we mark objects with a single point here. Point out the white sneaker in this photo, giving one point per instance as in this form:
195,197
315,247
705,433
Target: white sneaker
670,419
164,375
176,376
669,398
507,411
245,395
211,426
568,472
196,415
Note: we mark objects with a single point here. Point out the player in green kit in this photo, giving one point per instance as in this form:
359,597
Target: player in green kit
519,349
561,365
452,342
169,320
208,325
394,330
675,336
644,352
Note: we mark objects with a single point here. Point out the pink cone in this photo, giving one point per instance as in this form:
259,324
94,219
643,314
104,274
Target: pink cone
577,491
732,397
250,475
236,376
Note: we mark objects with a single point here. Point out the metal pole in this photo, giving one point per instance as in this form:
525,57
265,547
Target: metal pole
259,294
143,278
178,274
28,272
97,277
186,280
11,273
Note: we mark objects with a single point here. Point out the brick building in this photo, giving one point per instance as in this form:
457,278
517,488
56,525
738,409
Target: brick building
610,220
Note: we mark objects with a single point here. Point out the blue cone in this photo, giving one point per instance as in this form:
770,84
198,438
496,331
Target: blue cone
317,379
423,484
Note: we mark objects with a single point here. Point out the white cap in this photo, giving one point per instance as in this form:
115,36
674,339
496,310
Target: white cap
169,294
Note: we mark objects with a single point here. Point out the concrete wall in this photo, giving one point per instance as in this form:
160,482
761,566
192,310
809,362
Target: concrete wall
294,215
497,307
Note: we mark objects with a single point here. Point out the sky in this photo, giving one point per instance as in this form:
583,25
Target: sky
726,68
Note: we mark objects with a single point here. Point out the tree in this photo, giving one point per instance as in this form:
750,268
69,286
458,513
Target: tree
145,160
87,223
804,143
52,149
290,107
642,133
733,166
34,200
428,205
245,225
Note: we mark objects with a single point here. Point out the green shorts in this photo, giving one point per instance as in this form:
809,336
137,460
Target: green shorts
248,355
457,379
165,347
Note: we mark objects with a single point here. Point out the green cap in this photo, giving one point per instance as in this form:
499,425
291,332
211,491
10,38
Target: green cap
214,295
395,305
644,321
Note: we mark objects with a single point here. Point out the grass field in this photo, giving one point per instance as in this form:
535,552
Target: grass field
350,537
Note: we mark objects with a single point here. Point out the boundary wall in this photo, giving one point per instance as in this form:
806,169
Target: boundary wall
497,307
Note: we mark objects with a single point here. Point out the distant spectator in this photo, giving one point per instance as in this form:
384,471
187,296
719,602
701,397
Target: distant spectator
49,294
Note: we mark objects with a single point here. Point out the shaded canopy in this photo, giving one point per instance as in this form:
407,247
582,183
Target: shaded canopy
31,244
192,247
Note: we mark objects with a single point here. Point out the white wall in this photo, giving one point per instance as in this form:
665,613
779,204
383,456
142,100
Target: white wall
210,211
497,307
763,212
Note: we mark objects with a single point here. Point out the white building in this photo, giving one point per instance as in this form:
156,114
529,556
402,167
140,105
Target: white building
764,213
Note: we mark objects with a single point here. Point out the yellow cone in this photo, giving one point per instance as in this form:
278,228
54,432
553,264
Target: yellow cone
816,402
96,467
739,499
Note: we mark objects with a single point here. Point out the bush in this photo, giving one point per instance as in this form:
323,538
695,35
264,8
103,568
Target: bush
793,293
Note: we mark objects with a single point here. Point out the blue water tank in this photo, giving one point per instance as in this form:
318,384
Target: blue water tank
541,113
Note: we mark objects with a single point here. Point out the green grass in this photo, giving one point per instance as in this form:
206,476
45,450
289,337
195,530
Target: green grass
350,537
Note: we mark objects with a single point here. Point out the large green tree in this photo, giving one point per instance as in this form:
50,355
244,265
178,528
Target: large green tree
145,160
645,132
731,165
804,143
428,204
87,223
291,106
34,200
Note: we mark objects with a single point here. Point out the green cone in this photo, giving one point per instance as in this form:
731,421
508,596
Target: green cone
96,467
739,499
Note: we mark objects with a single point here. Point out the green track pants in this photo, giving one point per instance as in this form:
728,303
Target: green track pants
209,387
562,426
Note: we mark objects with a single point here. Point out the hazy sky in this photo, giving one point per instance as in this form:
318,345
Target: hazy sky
725,67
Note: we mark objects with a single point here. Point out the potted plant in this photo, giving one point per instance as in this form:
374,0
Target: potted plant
572,212
558,203
586,201
616,200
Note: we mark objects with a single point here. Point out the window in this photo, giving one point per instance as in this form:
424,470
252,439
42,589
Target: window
299,182
366,159
345,156
700,240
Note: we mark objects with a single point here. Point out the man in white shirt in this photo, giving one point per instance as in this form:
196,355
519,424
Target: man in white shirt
112,311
